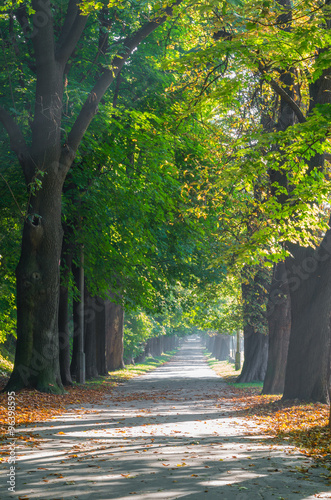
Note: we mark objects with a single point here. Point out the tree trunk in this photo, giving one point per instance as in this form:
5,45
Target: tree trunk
307,371
152,346
114,325
217,346
256,353
255,294
148,349
210,344
140,358
100,330
90,343
279,320
38,280
224,351
75,314
64,333
166,343
158,346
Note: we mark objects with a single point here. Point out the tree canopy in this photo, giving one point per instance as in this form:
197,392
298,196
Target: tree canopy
175,142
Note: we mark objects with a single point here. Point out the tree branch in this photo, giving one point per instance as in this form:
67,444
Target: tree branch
90,106
17,141
72,30
71,15
22,18
280,91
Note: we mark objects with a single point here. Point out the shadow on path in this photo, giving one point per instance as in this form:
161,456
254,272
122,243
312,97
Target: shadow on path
164,435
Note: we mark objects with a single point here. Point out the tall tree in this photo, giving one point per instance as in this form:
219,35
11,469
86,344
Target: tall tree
272,50
279,328
255,288
45,43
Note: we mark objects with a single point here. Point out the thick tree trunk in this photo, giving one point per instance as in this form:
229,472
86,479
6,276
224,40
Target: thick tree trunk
159,345
90,342
152,346
254,294
76,305
166,343
100,330
64,336
217,346
256,354
148,348
210,344
224,351
114,333
37,354
64,333
139,359
221,347
307,371
279,320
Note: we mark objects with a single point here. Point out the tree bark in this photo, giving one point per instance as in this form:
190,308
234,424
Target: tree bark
279,321
256,353
210,344
90,342
254,294
75,315
216,346
158,345
148,348
307,371
114,333
224,351
38,280
140,358
64,334
100,330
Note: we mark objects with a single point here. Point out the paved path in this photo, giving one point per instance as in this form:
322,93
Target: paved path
162,436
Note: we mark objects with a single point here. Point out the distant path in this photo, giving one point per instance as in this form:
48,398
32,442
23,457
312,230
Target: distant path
162,436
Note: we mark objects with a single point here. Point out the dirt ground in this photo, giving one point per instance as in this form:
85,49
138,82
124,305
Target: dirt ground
162,436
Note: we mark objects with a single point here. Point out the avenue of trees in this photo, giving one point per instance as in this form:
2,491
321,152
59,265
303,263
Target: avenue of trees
165,170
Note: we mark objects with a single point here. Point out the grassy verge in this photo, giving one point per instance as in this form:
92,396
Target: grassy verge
6,365
227,371
131,371
6,362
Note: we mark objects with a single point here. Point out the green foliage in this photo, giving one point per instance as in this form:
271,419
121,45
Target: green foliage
131,173
137,329
170,193
12,211
229,78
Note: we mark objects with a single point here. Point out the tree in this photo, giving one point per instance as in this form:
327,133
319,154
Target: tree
279,328
274,49
255,288
46,159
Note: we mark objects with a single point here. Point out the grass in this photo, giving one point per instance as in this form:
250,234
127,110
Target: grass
6,362
227,371
131,371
